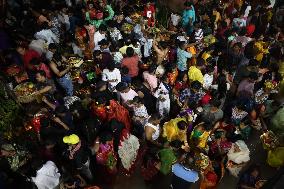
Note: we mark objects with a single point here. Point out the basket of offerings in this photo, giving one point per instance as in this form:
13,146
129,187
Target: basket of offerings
87,65
25,92
75,74
75,61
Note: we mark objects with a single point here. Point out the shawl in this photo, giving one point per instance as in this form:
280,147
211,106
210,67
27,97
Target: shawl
128,149
239,157
73,151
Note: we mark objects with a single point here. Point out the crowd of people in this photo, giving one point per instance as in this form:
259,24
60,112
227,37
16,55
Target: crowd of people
178,98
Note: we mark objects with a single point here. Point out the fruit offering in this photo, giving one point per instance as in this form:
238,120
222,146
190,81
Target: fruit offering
77,62
24,89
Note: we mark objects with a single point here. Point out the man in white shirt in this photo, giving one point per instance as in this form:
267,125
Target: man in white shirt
47,35
99,35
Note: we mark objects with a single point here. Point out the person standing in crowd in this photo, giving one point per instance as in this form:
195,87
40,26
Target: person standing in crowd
61,73
184,174
182,57
131,62
88,86
78,154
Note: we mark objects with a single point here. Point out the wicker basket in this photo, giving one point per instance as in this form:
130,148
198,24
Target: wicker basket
25,98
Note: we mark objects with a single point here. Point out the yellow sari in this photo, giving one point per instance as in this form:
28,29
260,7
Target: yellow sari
172,132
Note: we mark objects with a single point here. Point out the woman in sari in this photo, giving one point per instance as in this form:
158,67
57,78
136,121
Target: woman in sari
209,178
199,136
238,156
220,145
270,142
120,113
106,158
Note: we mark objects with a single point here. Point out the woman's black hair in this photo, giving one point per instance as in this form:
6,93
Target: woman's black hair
35,61
111,66
163,44
105,136
188,4
129,52
181,75
182,125
137,99
196,85
96,53
57,56
176,144
44,26
124,70
152,68
215,102
103,28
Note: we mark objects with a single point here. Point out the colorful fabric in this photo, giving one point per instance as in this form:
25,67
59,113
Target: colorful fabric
187,15
194,74
182,57
106,156
98,22
172,132
119,113
167,158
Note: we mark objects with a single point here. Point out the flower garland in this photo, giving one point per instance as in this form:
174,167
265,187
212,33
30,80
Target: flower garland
128,150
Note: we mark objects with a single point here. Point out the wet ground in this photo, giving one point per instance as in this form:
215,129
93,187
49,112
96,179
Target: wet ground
258,155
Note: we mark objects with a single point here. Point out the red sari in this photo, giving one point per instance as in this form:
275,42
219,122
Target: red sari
119,113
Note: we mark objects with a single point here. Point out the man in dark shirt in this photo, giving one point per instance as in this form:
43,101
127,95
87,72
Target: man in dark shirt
78,153
102,59
44,86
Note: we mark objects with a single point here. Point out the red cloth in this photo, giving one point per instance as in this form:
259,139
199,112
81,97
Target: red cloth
132,64
212,177
172,55
149,13
180,85
119,113
28,56
250,29
206,99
